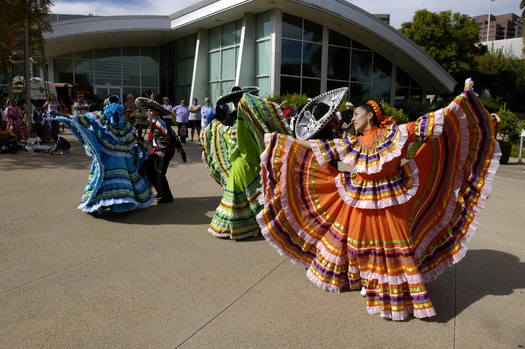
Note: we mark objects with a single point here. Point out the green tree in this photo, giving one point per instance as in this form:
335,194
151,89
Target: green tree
508,127
499,79
17,16
450,38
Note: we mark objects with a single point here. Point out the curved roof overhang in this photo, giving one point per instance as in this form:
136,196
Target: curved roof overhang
339,15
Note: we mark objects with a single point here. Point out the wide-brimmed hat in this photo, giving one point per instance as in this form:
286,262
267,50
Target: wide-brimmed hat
147,103
317,113
236,92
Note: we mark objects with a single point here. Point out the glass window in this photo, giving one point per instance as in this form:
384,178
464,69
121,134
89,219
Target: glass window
190,46
150,73
361,66
334,38
360,93
264,85
312,31
108,54
311,87
290,85
215,66
189,70
402,78
228,64
84,54
181,72
215,91
238,31
83,71
131,73
214,38
131,54
333,84
228,34
63,70
381,92
264,25
171,52
107,73
291,57
382,73
150,54
338,63
262,58
358,46
292,27
312,59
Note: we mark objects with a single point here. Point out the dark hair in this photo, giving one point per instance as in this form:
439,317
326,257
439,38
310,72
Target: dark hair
221,111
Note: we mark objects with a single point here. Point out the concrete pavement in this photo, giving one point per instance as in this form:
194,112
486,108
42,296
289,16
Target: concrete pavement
155,278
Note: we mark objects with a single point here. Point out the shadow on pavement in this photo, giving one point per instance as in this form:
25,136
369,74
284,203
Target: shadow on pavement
481,273
197,210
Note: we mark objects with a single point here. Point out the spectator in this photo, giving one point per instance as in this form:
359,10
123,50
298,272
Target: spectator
207,113
129,108
495,121
182,113
287,111
80,107
194,119
33,143
295,111
62,145
38,121
346,116
166,105
14,116
50,105
8,142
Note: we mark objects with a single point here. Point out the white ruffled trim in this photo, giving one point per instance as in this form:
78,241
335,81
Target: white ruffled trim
384,158
383,203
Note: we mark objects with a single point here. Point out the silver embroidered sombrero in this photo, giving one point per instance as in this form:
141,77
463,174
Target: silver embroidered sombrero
317,113
236,92
147,103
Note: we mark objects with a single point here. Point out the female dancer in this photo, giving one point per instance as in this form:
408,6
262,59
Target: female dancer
389,224
232,155
114,182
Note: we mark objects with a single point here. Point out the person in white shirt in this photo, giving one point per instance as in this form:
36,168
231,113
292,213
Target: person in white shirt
194,120
80,107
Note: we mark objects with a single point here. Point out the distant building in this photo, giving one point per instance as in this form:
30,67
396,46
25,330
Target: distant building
501,27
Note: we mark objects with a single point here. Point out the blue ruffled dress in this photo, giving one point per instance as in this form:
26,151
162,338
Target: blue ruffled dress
114,181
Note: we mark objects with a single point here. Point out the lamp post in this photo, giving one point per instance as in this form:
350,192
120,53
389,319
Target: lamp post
28,70
488,20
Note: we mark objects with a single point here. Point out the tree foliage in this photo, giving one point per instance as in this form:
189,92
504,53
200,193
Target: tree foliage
499,79
15,17
450,38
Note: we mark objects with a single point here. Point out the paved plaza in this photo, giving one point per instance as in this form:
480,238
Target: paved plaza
155,278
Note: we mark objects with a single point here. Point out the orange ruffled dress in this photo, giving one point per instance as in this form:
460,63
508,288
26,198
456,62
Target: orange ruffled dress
389,223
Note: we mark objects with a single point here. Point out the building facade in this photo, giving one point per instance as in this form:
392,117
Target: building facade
500,27
290,46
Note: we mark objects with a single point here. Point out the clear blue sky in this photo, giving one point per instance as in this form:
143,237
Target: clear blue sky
400,11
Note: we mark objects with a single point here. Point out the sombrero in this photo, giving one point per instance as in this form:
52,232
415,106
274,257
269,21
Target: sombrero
147,103
317,113
236,92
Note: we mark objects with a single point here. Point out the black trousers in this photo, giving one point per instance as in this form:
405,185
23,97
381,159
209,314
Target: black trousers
155,168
